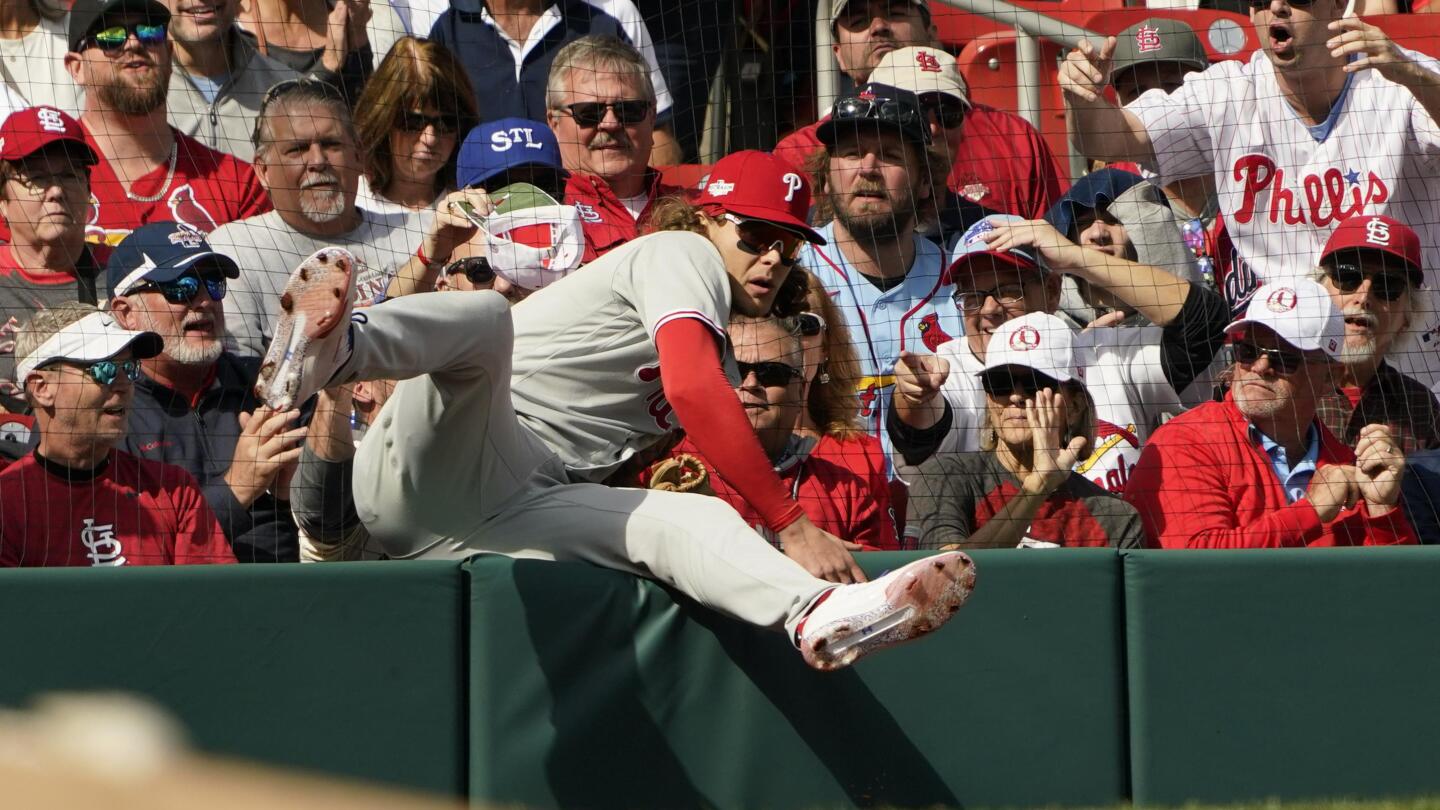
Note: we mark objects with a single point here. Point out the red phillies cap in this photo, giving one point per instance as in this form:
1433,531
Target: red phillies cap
1382,233
758,185
26,132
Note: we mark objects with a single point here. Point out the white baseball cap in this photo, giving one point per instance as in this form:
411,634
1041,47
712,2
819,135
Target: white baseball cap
1038,341
96,336
1300,312
922,70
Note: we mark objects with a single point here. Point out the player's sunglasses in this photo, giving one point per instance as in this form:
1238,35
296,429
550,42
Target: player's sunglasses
944,110
186,289
1347,278
808,324
1283,362
590,114
105,372
1002,383
475,268
417,122
771,374
1004,295
112,40
759,238
883,110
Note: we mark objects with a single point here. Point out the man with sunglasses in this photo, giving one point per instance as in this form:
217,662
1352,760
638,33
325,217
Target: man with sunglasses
220,76
1371,267
195,405
1260,470
76,500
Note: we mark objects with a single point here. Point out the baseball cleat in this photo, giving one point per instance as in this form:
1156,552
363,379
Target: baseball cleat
309,345
851,621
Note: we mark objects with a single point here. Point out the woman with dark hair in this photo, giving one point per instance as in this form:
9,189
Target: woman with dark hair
1020,488
408,125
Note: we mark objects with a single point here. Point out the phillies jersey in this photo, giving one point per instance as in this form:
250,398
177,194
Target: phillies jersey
917,315
129,512
586,373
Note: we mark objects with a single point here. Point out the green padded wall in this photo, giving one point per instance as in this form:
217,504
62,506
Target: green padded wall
1294,673
349,668
596,689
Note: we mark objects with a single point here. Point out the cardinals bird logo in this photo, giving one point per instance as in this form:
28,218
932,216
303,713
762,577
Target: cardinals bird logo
930,332
187,210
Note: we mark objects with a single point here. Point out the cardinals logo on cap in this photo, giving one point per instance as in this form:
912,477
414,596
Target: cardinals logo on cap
1282,300
1025,339
927,62
1377,232
50,119
1147,39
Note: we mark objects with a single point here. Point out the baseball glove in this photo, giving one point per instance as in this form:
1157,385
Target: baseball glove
680,473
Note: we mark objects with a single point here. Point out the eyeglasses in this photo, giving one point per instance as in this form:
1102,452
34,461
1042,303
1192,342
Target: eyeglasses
759,238
475,268
884,110
590,114
38,184
771,374
808,324
1004,295
186,289
105,372
1003,383
417,122
945,111
1347,278
112,40
1283,362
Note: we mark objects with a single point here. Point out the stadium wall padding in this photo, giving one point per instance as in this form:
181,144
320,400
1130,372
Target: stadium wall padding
1082,677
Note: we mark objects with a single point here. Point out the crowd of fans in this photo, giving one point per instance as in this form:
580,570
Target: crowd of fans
1220,336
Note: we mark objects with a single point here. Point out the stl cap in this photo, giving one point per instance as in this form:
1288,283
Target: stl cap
1038,341
1379,233
757,185
161,251
1158,39
96,336
922,70
971,245
1300,312
499,146
28,131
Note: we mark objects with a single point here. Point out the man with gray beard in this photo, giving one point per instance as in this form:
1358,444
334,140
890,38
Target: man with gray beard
1371,267
194,404
306,158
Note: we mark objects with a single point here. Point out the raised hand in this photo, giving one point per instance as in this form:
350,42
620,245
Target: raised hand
918,378
1039,236
1050,462
1374,49
268,442
1379,467
1086,71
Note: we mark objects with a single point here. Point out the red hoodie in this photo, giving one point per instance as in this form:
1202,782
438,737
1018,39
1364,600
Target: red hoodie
1202,482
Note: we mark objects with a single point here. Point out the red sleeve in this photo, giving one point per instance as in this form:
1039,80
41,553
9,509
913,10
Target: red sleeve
1047,184
706,406
253,199
798,146
198,537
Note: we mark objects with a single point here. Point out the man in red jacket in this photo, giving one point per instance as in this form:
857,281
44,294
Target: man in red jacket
1259,470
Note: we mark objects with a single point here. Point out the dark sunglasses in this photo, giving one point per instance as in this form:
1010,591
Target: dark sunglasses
1283,362
1347,278
771,374
113,39
417,122
186,289
590,114
884,110
759,238
105,371
947,112
808,324
1259,5
1002,384
475,268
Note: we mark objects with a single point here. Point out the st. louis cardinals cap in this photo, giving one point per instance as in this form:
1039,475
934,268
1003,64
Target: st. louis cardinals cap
1038,341
971,245
1158,39
757,185
922,70
1300,312
86,15
96,336
837,9
162,251
27,131
1378,233
496,147
877,106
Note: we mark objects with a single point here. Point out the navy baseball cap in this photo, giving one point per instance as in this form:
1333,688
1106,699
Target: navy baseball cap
1096,189
877,106
162,251
499,146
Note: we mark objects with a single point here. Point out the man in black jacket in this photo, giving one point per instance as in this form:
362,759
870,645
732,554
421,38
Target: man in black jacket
194,406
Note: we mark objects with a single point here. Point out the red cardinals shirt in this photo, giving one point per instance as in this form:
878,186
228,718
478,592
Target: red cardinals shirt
1002,163
128,512
607,222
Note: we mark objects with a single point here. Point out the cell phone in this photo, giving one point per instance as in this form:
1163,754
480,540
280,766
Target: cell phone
468,211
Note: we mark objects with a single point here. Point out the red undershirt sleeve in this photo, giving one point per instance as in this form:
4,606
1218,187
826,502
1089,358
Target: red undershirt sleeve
706,406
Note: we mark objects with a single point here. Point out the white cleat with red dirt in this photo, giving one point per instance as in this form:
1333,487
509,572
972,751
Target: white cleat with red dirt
311,339
851,621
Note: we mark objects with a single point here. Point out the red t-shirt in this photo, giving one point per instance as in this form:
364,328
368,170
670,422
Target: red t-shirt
133,512
1003,163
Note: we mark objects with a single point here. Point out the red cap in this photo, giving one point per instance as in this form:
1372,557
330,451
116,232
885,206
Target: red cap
758,185
1378,232
26,132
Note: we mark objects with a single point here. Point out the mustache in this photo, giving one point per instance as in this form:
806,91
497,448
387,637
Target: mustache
325,178
1361,314
604,139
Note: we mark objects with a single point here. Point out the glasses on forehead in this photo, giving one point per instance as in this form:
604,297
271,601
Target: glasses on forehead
590,114
417,122
186,289
1347,278
316,87
105,372
808,324
759,238
771,374
885,110
113,38
1282,361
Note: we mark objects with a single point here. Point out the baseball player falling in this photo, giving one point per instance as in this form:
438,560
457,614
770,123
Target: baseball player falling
502,427
1328,120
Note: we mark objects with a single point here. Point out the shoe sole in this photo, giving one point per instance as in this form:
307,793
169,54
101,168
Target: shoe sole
313,304
922,599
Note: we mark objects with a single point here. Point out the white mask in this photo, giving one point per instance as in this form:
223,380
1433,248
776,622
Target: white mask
534,267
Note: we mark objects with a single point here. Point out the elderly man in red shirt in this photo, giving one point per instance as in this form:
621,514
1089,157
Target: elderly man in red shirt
1259,470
